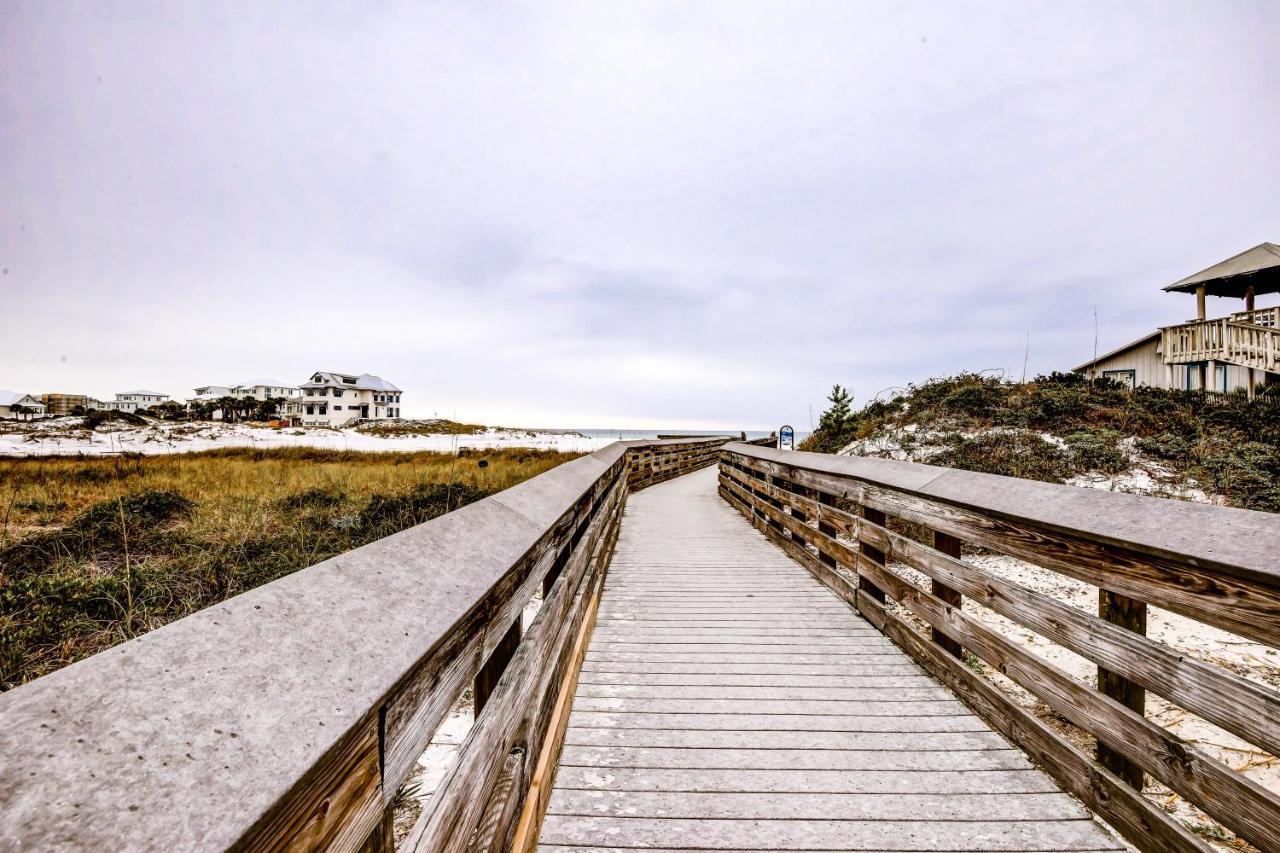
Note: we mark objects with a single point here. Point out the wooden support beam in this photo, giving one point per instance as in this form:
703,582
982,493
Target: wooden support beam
949,545
1200,302
1130,614
825,527
875,555
487,678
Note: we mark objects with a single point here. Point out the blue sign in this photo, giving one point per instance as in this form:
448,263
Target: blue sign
786,438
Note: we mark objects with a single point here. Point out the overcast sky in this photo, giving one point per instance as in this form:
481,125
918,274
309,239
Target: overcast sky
617,214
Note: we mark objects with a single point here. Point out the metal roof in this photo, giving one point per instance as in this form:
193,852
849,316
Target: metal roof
1259,266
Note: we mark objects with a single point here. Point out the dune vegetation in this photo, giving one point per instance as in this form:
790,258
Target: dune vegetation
1065,428
95,551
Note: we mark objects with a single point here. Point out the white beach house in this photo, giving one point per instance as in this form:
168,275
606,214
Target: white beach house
132,401
26,406
335,399
268,389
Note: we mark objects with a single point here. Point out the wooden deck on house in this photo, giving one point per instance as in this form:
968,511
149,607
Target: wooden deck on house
730,701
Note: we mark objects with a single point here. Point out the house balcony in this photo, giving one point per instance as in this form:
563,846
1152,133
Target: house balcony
1249,339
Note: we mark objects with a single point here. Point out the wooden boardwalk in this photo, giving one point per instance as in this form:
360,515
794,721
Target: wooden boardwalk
729,701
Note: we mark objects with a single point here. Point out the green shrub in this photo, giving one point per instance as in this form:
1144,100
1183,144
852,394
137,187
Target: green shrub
1247,473
1096,451
1013,454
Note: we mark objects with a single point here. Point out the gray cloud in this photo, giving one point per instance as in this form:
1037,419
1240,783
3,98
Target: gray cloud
606,214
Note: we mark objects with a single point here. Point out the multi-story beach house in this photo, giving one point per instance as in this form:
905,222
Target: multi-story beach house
335,399
132,401
1238,352
270,389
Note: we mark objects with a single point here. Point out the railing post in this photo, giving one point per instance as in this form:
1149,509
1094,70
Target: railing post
487,678
1130,614
824,527
875,555
950,546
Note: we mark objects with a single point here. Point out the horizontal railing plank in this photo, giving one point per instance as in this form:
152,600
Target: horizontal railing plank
1226,578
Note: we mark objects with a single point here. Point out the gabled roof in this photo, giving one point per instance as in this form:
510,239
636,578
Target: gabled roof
1259,266
1134,344
145,393
364,381
8,398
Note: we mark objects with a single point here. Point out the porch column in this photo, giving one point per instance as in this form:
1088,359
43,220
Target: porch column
1200,302
1248,298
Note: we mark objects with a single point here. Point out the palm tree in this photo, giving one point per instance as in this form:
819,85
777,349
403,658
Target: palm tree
228,406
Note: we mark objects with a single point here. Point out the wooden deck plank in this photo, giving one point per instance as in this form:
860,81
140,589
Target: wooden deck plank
747,834
728,701
775,722
786,739
1045,805
795,759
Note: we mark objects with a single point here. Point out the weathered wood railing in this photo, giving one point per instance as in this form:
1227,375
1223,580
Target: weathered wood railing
1214,565
288,717
1226,339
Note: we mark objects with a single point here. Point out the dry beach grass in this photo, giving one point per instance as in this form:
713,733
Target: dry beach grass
95,551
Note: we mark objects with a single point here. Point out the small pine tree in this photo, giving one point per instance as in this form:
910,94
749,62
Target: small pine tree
836,426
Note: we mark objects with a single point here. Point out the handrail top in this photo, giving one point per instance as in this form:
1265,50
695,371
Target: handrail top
1238,542
186,719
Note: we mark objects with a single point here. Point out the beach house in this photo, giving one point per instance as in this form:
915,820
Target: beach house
335,399
132,401
17,406
1236,352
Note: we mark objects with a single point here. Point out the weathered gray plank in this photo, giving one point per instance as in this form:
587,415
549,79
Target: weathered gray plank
778,679
807,806
773,706
761,693
789,739
793,759
893,667
801,781
924,835
776,722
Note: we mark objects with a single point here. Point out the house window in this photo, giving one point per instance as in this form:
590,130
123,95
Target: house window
1128,378
337,408
337,392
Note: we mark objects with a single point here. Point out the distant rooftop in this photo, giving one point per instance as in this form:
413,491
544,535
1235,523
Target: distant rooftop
144,393
8,398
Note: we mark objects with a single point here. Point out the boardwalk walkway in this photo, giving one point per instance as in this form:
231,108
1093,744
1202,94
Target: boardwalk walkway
728,701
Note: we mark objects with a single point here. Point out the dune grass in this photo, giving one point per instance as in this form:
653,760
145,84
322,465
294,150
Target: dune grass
96,551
